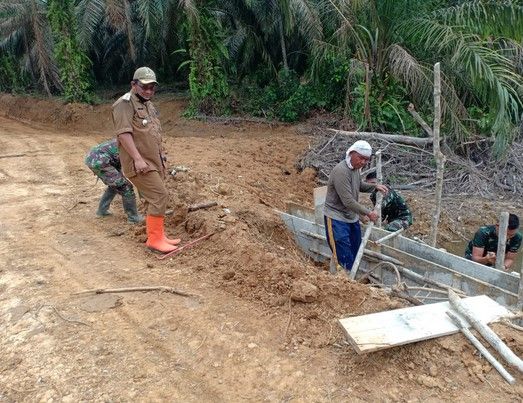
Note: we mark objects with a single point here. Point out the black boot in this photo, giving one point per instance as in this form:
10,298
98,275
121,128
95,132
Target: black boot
129,206
105,202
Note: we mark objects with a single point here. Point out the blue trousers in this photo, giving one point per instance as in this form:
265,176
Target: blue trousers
344,240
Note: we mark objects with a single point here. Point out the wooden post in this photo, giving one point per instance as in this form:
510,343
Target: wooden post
438,155
462,325
520,289
379,195
359,255
486,332
502,240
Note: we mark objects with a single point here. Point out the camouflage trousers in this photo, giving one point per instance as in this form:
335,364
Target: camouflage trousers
111,176
398,223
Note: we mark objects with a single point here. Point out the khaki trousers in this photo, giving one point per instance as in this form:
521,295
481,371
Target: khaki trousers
153,192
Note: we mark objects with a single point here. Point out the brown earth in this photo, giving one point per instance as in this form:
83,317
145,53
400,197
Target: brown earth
248,336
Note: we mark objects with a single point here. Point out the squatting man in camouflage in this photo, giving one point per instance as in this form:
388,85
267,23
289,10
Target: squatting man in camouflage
484,246
342,209
394,209
104,161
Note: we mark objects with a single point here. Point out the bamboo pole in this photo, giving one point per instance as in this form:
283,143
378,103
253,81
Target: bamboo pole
487,333
438,155
462,325
359,255
390,236
502,240
379,195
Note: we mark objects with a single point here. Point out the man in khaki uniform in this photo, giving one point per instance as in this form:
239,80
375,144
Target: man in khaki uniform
139,136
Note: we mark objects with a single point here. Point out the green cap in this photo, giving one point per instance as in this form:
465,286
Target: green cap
145,75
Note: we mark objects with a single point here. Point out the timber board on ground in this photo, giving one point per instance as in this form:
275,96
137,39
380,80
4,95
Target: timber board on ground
382,330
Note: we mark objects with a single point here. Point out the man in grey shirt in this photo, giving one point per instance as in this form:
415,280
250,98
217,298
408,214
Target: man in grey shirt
342,209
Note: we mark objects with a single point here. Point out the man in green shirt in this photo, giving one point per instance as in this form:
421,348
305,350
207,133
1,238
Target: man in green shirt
394,210
483,247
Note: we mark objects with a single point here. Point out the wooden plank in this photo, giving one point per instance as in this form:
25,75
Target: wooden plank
319,200
382,330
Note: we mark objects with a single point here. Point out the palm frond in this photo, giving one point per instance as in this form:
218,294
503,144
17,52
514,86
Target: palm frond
90,15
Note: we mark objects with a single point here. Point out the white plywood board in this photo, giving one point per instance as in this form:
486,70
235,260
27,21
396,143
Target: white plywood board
388,329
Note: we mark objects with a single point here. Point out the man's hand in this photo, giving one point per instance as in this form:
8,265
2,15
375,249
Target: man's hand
491,257
383,189
373,216
140,166
364,219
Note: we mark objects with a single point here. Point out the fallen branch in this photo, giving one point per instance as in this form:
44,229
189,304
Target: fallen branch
419,119
486,332
133,289
462,325
392,138
200,206
186,246
507,322
12,155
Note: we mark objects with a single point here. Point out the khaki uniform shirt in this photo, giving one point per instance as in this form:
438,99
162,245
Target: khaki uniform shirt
131,115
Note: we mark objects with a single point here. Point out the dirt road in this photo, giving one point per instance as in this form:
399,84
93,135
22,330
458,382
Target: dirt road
242,338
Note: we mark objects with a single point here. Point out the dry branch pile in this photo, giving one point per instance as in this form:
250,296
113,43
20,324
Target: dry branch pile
411,167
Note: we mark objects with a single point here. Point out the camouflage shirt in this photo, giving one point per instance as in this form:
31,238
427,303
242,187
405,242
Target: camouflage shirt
103,155
487,239
393,206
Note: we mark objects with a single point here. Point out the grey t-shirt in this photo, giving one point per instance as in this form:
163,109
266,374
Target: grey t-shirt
343,189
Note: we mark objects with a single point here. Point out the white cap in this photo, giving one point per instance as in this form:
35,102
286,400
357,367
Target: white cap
361,147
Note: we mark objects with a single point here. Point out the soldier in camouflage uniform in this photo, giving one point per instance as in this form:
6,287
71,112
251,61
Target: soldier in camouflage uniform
104,161
394,209
483,248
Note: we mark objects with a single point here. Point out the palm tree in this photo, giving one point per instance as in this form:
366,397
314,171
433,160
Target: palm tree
25,33
402,39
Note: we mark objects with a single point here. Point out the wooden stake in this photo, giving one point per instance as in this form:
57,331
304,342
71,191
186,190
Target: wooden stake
438,155
487,333
519,305
379,195
463,326
502,240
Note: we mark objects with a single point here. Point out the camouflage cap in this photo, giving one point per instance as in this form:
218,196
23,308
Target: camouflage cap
145,75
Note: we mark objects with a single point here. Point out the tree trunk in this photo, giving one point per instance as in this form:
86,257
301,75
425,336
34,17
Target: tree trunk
282,44
392,138
367,113
486,332
346,111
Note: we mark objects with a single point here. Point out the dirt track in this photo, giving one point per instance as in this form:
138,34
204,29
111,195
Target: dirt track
243,339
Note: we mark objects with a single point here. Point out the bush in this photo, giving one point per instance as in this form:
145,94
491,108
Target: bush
388,109
287,98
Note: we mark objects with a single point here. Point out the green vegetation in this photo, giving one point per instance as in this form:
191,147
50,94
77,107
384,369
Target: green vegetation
364,60
71,60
